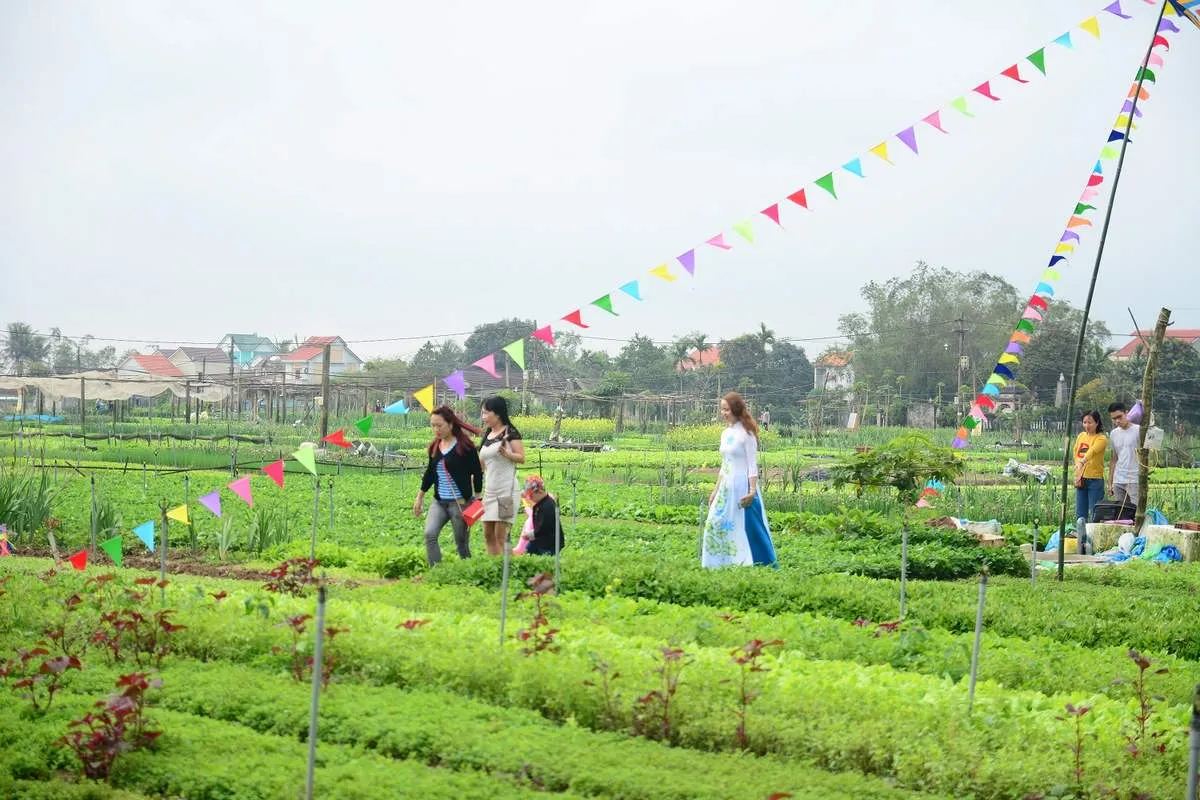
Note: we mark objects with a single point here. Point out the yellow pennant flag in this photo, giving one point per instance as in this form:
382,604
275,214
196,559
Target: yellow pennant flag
1009,358
881,151
1122,121
1064,247
662,271
425,397
179,514
1092,26
1051,274
308,457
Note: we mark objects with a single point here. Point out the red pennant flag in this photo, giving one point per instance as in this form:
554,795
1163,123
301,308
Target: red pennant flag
985,89
79,560
983,401
545,335
275,472
1014,73
575,319
1095,180
1037,301
338,437
1160,40
798,198
771,212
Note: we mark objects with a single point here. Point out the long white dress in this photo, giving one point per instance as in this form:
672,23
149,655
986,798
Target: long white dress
734,535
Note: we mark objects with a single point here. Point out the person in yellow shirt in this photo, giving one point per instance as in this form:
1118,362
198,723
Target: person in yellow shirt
1089,465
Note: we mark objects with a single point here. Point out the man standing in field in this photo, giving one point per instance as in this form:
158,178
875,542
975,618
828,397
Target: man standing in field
1123,468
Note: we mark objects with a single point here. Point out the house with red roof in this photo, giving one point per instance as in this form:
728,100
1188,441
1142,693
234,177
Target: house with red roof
710,357
148,367
834,371
304,363
1139,342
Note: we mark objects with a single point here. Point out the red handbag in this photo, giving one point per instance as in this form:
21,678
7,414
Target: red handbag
472,512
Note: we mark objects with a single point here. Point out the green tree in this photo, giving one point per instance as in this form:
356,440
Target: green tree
649,365
1052,351
435,359
25,350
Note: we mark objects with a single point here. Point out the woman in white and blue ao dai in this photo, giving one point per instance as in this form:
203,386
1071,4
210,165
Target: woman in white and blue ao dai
736,530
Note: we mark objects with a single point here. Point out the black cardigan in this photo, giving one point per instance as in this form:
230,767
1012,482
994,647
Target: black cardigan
464,469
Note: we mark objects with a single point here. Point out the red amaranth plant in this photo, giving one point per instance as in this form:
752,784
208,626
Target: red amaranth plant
652,712
748,658
37,676
118,725
539,634
293,577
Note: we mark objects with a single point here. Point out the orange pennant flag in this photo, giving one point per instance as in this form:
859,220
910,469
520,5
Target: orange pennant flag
1077,222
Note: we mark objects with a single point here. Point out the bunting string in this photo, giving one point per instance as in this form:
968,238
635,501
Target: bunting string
1077,225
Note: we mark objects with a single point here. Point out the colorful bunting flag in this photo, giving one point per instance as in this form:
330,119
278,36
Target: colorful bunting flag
1159,41
826,183
1031,313
212,501
909,137
1015,349
1039,302
959,104
798,197
1092,26
337,438
881,150
546,335
1069,236
1065,40
744,230
1044,288
5,550
718,242
771,212
604,303
307,457
241,487
516,351
179,514
632,289
145,532
687,261
1004,372
1009,358
457,383
1079,222
934,120
985,89
425,396
1038,59
364,424
575,319
1115,9
1015,73
113,548
398,407
664,272
854,166
488,365
79,560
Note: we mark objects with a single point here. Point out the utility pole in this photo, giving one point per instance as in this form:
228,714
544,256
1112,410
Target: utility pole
324,392
1143,455
961,329
229,405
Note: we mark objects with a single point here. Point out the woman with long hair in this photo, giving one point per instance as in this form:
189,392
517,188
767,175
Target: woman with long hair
1090,445
454,473
500,451
736,530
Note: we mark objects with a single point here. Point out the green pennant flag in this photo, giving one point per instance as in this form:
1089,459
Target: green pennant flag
605,303
113,548
1109,153
997,380
970,423
364,425
1145,75
744,230
959,104
1038,59
516,351
826,183
1081,208
308,457
1025,325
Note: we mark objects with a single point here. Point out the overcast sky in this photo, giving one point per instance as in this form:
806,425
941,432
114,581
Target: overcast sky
379,170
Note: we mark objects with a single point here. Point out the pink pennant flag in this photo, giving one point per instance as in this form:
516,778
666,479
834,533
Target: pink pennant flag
909,137
212,501
1155,61
1089,194
923,503
545,334
978,414
985,89
488,365
1033,314
771,212
456,383
241,487
688,261
935,120
718,242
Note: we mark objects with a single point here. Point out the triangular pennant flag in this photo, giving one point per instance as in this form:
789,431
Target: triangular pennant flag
1045,289
718,242
985,89
934,120
1095,180
922,502
1145,75
985,401
113,548
687,261
1142,94
488,363
1038,59
826,183
1015,73
1123,122
854,166
1089,194
275,472
425,396
179,514
1064,248
881,151
307,456
1155,60
1128,107
1115,9
1004,372
1107,153
909,137
1065,40
1054,260
1009,358
516,351
744,230
1077,222
456,382
1081,208
604,303
958,443
1026,326
241,487
1098,169
364,424
79,560
546,335
1116,136
211,501
1167,25
1033,314
961,433
398,407
664,272
996,380
1092,26
798,197
1160,41
575,319
1039,302
337,438
1015,348
991,389
1051,274
970,423
771,212
1069,236
145,532
5,550
959,104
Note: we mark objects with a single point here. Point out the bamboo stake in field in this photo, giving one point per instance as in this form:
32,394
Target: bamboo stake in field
1143,455
162,554
983,576
317,671
312,548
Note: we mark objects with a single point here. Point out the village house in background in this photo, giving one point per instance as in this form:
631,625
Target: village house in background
303,364
1138,342
196,361
146,366
834,372
246,347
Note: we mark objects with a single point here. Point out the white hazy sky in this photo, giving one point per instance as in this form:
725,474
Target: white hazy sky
175,171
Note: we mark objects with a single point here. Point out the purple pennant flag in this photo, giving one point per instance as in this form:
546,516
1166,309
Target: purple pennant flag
909,137
1167,25
212,501
1115,8
958,444
688,261
456,383
1125,109
1069,235
1015,348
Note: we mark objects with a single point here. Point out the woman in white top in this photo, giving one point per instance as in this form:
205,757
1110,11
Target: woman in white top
500,451
736,531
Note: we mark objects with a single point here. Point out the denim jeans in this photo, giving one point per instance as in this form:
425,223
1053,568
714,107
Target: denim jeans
1087,497
441,512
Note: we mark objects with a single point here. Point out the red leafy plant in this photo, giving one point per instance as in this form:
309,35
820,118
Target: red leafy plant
118,725
1076,744
293,577
300,664
68,634
605,679
748,657
539,636
134,629
36,675
652,712
1138,741
412,624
